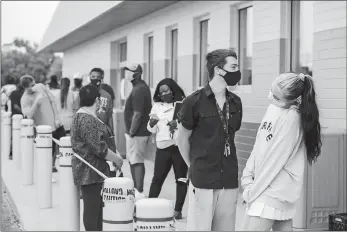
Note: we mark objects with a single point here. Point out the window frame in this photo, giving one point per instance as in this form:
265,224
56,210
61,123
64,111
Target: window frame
197,45
234,38
173,70
148,77
240,7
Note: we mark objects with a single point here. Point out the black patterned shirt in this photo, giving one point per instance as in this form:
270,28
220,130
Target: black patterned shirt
90,139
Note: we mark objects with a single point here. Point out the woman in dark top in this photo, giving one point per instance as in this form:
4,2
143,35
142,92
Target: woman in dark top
93,141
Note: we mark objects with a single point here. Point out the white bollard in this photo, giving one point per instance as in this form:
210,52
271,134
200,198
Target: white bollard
16,128
6,141
69,192
118,199
44,166
154,214
27,148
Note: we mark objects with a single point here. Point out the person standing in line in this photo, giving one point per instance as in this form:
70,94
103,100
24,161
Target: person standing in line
162,124
39,104
288,134
92,139
77,78
77,83
110,91
208,120
14,94
15,97
105,109
53,83
6,91
66,100
136,115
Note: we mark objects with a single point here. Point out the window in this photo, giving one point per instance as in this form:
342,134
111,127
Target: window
125,86
150,62
245,42
203,47
302,25
174,50
123,51
121,87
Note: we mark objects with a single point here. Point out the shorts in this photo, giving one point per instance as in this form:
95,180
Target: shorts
136,148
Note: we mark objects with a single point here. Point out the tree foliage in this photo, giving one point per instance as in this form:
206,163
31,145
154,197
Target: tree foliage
25,59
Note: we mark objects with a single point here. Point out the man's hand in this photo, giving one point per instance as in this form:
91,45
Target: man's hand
57,123
153,120
172,125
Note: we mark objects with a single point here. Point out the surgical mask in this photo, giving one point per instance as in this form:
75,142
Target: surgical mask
231,78
96,82
276,102
168,98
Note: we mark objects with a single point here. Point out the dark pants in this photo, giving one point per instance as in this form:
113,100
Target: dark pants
164,159
57,134
92,207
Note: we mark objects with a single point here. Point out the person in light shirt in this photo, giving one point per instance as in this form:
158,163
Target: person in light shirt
288,135
167,155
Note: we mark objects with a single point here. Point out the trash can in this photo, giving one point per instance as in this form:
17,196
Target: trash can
338,222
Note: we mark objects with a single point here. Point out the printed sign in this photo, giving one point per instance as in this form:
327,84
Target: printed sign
117,195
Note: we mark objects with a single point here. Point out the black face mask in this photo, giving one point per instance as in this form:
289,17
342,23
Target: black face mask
96,82
168,98
231,78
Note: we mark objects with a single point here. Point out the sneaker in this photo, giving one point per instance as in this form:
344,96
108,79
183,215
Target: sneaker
139,195
178,215
54,169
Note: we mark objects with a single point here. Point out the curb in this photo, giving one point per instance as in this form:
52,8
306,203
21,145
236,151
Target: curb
13,204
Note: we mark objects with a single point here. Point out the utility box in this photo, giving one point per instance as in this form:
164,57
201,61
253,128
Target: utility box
324,192
119,131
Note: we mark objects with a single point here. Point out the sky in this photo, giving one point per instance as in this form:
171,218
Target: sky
25,19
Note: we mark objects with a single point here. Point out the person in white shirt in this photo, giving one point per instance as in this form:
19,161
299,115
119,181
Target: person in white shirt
289,135
167,155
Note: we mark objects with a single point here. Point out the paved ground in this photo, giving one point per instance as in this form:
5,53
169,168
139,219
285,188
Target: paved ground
9,220
35,219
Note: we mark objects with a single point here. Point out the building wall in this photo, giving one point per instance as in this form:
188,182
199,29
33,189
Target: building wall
270,39
329,61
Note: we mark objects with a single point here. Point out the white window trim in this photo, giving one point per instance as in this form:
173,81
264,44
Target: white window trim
197,22
235,8
168,54
146,56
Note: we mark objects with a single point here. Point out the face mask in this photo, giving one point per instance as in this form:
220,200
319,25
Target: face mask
231,78
276,102
168,98
96,82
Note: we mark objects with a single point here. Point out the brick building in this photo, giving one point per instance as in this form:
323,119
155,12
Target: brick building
171,39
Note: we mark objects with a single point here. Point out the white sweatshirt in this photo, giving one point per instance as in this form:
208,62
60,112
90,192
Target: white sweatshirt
165,113
274,171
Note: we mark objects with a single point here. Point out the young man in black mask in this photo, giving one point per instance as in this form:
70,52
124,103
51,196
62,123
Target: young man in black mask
136,115
105,109
208,120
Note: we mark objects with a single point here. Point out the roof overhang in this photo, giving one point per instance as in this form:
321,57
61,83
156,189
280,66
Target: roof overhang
117,16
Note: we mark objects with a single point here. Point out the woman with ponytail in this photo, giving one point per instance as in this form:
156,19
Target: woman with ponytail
66,104
289,133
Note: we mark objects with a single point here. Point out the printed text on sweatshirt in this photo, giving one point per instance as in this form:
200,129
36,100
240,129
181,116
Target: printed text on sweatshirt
274,171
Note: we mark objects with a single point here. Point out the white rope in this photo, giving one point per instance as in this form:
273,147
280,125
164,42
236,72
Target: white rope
80,158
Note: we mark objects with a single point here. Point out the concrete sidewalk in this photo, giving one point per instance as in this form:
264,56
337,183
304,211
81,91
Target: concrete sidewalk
24,199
